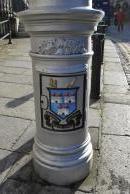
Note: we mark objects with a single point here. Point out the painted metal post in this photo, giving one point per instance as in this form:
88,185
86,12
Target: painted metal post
61,55
96,65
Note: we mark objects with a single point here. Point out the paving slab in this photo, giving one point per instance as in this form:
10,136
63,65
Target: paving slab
114,176
113,78
19,79
26,139
94,118
12,90
115,89
94,133
13,52
12,70
108,53
15,63
109,43
112,59
1,74
110,48
117,99
21,107
89,184
5,163
19,58
112,54
11,129
113,67
21,168
28,72
116,119
95,104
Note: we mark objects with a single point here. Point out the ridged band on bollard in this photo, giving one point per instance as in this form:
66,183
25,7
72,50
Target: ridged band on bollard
61,56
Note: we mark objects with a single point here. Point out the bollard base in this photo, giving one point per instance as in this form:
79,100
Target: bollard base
66,168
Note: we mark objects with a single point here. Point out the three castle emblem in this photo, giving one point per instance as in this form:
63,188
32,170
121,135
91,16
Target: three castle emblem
62,113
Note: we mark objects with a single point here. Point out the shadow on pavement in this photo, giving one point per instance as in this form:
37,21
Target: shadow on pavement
18,101
16,155
25,180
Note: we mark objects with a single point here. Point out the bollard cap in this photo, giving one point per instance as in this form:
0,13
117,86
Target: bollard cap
77,18
82,14
56,5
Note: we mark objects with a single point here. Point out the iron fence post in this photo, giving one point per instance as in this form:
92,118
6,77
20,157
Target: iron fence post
10,32
96,65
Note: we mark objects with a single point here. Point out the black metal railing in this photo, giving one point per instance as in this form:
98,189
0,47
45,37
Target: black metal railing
5,19
5,30
9,22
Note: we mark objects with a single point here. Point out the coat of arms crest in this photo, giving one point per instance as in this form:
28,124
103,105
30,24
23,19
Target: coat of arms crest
63,111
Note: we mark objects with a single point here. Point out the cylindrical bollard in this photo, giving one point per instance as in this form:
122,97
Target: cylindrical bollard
61,54
96,65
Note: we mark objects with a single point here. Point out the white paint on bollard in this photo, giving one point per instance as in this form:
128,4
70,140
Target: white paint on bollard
61,56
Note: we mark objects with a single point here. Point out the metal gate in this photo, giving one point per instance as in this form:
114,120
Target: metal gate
6,15
9,20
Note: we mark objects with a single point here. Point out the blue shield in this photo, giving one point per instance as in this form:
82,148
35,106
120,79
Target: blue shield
63,101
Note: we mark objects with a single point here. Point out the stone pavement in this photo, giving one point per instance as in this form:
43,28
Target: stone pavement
114,167
121,38
122,41
109,125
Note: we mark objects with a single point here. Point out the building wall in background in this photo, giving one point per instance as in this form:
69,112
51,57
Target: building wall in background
19,5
